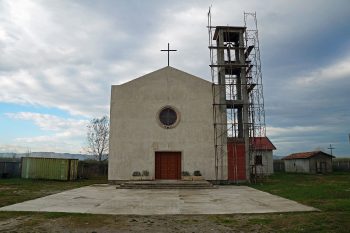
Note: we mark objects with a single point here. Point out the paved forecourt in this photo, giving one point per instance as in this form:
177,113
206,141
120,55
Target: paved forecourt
106,199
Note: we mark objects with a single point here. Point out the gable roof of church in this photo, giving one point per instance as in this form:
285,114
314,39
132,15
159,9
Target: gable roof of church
164,70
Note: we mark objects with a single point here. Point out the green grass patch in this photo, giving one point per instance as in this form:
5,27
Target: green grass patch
53,215
18,190
329,192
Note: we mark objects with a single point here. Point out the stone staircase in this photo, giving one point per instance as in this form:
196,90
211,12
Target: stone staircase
166,184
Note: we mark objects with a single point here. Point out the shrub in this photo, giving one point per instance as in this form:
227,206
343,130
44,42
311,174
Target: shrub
197,173
136,173
185,173
145,173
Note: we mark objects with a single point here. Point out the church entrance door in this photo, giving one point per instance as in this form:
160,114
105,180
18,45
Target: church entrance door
168,165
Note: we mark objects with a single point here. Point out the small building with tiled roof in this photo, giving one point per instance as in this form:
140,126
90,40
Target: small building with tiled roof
308,162
263,156
261,160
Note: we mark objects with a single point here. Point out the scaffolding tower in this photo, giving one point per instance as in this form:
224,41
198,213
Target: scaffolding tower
257,130
238,104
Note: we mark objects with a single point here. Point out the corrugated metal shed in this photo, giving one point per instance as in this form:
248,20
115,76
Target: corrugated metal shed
49,168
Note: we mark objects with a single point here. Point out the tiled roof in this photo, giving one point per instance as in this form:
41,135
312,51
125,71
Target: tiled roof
306,155
260,143
263,143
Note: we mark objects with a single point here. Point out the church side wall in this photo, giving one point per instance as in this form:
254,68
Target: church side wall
136,134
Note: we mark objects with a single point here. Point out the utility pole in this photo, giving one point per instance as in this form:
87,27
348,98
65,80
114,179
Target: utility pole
331,148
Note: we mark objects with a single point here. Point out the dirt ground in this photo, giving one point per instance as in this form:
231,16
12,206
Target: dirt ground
34,222
56,222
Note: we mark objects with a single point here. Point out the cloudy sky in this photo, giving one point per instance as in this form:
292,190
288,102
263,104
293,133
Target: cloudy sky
58,59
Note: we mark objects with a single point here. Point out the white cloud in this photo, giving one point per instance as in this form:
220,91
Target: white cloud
50,122
62,135
294,130
305,138
66,54
51,57
335,72
13,148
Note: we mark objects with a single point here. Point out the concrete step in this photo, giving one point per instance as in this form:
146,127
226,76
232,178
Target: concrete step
166,185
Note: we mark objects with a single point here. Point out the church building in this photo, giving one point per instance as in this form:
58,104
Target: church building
168,123
161,123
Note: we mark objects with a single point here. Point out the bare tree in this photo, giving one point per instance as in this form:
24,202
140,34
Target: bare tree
98,138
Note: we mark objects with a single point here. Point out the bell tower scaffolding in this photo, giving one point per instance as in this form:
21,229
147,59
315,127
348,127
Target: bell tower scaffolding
257,129
238,113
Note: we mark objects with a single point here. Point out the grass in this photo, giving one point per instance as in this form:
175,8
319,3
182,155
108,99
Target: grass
329,193
261,221
18,190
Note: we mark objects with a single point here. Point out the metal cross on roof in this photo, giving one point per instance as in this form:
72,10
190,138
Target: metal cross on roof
168,50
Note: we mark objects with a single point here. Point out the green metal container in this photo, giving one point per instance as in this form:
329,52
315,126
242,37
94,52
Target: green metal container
49,168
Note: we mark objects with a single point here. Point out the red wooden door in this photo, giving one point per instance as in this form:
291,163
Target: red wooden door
236,161
168,165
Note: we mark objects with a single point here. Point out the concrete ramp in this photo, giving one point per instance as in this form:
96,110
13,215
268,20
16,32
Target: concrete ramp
167,184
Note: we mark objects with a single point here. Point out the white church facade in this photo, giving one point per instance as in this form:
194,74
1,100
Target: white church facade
162,123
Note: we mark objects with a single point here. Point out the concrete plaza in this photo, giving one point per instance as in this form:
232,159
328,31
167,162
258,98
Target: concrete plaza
106,199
